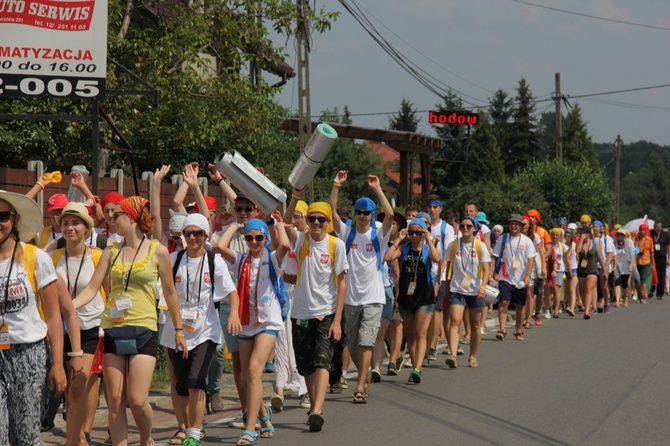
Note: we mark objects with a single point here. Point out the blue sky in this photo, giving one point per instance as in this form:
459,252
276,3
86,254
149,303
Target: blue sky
479,46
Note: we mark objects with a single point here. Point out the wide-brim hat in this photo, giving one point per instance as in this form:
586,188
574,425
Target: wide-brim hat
400,219
30,219
79,210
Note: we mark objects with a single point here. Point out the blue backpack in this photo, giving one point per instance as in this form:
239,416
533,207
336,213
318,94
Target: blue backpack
278,285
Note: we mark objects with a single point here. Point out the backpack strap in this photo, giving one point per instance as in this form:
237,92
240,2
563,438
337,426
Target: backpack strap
177,261
443,229
375,243
425,257
29,262
478,247
279,288
452,256
44,236
304,250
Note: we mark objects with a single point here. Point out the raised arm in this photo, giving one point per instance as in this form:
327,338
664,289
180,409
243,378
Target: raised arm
155,204
282,242
224,241
42,183
217,178
339,180
191,178
376,186
290,210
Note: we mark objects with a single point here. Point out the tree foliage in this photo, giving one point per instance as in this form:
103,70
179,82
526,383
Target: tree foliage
523,144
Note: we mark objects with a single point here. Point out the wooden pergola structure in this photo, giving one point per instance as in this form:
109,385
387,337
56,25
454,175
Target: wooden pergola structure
404,143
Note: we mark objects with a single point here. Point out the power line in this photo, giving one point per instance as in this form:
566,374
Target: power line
622,22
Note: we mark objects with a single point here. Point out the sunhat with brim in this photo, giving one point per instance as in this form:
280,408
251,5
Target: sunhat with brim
78,210
30,216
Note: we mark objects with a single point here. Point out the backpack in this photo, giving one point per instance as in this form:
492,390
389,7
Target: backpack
29,262
375,243
95,257
502,251
100,242
430,276
452,256
278,285
304,250
210,264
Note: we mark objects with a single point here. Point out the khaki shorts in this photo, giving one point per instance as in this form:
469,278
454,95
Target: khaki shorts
361,324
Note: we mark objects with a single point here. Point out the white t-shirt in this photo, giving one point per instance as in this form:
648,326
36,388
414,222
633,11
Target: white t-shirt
483,230
515,255
572,256
19,308
466,263
111,236
364,280
625,257
316,294
559,251
193,274
264,309
90,314
237,244
606,246
436,234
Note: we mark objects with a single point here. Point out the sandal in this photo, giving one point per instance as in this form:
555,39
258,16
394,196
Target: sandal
519,336
527,325
178,437
248,437
359,398
501,335
315,421
472,362
451,362
464,340
267,431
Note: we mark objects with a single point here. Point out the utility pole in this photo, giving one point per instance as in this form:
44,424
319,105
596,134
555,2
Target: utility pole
617,174
558,97
304,109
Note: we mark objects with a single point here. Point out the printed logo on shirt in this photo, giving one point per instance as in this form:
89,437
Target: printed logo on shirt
325,258
291,254
177,279
17,295
207,279
354,246
369,247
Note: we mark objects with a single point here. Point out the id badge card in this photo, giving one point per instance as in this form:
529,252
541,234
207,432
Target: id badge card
189,313
584,263
411,288
516,263
123,302
657,247
4,337
467,280
116,315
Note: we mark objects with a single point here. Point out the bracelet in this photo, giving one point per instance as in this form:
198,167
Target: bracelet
296,197
337,183
79,354
39,183
179,334
179,329
270,222
219,180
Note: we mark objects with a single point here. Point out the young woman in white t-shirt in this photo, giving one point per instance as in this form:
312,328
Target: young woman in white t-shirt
260,314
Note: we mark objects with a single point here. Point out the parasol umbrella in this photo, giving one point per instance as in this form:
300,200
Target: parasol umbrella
634,225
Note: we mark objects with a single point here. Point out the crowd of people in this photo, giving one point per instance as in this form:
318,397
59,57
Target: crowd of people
100,290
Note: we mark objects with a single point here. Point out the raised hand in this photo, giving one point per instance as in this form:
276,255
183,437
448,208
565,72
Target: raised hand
342,176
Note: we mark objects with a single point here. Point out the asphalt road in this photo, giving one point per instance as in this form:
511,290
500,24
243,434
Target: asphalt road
571,382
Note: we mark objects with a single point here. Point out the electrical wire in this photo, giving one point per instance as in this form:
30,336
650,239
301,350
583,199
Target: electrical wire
565,11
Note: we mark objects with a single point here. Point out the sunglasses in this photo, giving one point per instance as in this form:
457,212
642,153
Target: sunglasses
314,218
465,226
414,232
4,216
251,238
175,237
366,213
198,233
246,209
116,215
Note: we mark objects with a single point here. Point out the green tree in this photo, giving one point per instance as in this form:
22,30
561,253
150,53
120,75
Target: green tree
500,110
546,128
523,146
484,163
577,143
644,192
406,119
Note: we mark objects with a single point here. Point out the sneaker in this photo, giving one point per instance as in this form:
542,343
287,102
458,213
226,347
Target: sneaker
432,354
343,382
642,300
570,311
547,315
538,321
190,442
216,403
460,351
447,351
238,422
408,363
277,402
415,377
399,363
483,330
376,376
336,388
304,402
607,309
600,309
392,370
269,367
315,421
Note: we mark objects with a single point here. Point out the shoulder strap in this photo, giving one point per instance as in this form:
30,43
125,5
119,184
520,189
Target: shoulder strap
403,255
29,262
177,261
443,229
375,242
304,250
101,241
332,243
210,262
44,236
56,255
452,256
279,288
425,257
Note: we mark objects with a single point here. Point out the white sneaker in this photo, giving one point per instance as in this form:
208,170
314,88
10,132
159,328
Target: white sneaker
483,330
304,402
240,424
547,315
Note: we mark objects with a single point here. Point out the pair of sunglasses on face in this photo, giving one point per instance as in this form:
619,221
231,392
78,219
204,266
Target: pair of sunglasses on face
187,234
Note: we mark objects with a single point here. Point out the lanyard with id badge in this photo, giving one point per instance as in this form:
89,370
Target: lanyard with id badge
190,313
467,276
415,268
122,301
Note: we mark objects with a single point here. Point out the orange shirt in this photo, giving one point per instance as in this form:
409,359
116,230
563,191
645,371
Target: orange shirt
644,245
544,235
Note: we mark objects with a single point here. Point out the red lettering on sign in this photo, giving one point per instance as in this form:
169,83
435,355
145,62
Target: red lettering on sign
52,14
456,117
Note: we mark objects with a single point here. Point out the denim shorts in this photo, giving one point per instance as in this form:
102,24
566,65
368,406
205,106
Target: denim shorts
466,301
231,341
407,311
387,309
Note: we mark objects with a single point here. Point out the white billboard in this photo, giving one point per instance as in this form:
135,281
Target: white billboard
53,48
